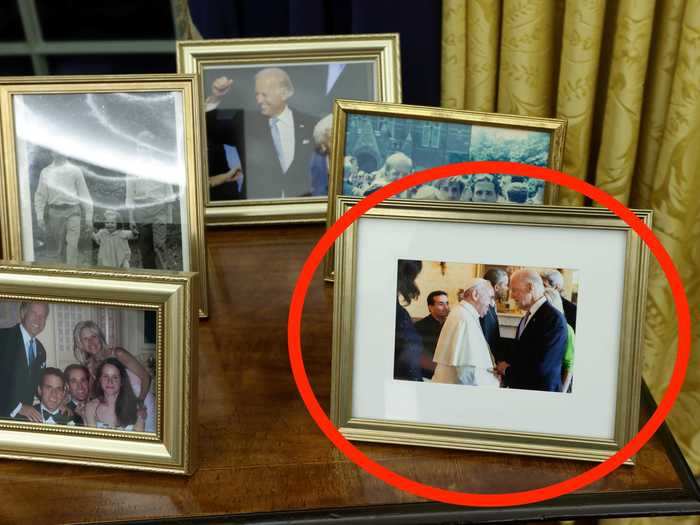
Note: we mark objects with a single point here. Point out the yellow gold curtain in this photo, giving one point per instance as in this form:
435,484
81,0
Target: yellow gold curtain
626,76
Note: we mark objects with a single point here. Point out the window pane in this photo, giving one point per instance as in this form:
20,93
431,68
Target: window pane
90,20
16,66
111,64
10,22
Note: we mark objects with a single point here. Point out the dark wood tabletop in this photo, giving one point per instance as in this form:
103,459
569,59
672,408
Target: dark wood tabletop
263,459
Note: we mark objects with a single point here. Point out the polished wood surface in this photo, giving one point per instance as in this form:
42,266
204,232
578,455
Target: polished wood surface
259,449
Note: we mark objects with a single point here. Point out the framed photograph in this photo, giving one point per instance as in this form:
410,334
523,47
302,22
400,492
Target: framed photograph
502,328
103,172
268,106
98,367
381,143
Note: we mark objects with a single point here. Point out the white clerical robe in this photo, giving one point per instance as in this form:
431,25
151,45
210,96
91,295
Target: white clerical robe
462,353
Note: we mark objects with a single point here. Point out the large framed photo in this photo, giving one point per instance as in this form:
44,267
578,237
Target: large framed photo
381,143
268,106
98,367
103,172
496,328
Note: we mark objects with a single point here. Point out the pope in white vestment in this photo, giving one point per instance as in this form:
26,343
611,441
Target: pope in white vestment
462,353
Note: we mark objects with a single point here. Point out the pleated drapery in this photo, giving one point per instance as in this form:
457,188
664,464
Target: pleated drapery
626,76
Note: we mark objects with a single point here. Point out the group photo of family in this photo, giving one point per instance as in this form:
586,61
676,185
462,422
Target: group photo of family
269,128
380,150
90,209
486,325
75,365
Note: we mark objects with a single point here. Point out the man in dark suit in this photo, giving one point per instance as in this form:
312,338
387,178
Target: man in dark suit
555,279
77,379
52,392
275,143
430,327
489,323
22,356
541,338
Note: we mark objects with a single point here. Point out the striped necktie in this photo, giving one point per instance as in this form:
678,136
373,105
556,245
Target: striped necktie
523,322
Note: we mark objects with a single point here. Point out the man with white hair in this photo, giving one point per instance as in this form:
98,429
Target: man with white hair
275,143
541,338
462,355
554,279
396,166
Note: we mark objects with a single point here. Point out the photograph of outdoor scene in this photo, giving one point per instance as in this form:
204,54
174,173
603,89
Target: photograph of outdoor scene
380,150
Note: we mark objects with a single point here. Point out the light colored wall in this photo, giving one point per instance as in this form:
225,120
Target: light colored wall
432,278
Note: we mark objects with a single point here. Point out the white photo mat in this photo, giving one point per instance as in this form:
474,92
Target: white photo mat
598,255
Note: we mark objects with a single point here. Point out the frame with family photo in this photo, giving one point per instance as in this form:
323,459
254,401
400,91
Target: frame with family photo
103,171
381,143
450,328
267,123
98,367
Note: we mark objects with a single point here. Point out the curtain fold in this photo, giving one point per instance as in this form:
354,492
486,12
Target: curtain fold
578,78
623,99
625,76
526,72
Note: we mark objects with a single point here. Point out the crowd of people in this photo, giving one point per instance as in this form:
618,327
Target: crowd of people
484,187
106,387
463,345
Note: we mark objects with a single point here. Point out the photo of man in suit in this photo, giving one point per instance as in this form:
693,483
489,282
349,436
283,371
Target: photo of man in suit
51,392
429,328
22,357
274,143
541,338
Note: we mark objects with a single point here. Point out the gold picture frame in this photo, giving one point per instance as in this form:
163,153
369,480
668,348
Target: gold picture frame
374,56
368,403
136,141
433,137
125,298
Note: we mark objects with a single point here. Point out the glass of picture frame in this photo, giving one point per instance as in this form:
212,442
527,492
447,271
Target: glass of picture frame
99,367
267,127
103,171
422,356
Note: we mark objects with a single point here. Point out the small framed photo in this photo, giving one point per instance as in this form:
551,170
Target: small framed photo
495,328
103,172
268,106
381,143
98,367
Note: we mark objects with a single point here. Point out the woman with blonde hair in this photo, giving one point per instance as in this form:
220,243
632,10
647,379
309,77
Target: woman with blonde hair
91,349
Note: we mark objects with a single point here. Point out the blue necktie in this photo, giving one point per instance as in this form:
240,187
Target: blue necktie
276,140
31,353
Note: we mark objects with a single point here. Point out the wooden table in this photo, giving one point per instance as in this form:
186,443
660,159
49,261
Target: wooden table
264,460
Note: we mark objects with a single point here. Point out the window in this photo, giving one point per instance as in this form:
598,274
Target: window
83,37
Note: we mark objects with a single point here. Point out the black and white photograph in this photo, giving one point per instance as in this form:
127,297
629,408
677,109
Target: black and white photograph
269,126
102,179
77,365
